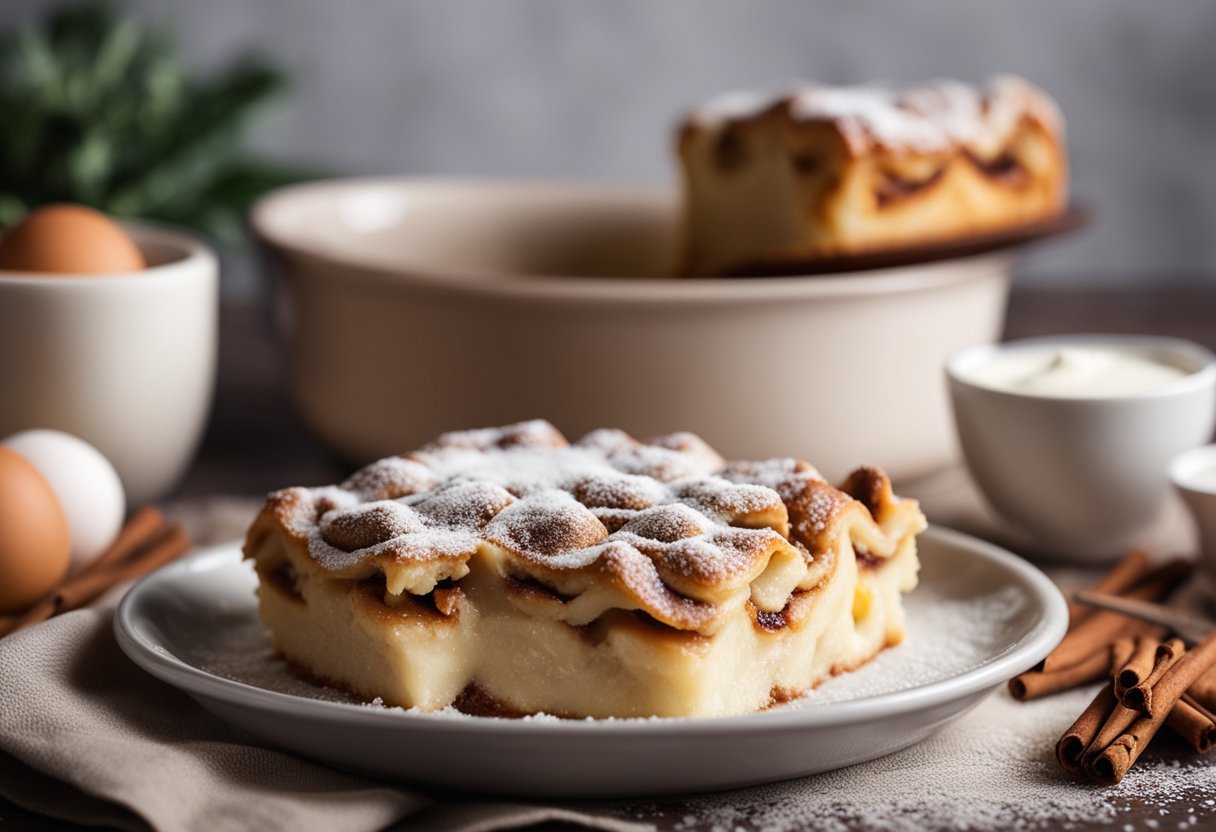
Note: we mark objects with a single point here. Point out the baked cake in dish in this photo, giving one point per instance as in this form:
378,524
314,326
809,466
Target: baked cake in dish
507,571
818,171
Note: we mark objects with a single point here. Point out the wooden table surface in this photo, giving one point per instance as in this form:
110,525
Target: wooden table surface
255,442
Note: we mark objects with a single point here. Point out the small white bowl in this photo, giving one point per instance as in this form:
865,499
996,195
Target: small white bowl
124,361
1083,477
1193,473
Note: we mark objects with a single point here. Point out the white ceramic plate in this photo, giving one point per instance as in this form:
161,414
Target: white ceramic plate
980,616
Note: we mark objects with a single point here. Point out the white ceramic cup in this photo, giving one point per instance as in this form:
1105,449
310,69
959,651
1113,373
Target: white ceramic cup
124,361
1193,473
1083,477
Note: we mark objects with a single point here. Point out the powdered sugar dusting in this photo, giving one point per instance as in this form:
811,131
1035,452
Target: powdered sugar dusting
777,474
663,464
729,501
929,117
665,513
389,478
551,526
665,524
736,104
618,491
366,525
462,505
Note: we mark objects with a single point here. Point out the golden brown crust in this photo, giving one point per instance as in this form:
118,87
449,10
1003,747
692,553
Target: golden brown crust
826,172
688,535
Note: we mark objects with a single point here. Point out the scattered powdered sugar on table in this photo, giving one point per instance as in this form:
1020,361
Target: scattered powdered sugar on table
994,769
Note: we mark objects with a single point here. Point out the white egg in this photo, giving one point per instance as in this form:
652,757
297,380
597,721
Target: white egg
86,484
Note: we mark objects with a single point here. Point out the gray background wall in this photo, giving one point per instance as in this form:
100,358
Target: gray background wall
591,88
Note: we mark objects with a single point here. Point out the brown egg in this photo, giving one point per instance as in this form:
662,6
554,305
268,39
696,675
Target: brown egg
35,545
69,239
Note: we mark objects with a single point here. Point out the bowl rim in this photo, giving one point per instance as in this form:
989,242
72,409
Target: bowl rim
1205,376
191,251
1183,467
463,281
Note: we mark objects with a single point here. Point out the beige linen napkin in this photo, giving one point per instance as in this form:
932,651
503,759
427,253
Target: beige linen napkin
87,736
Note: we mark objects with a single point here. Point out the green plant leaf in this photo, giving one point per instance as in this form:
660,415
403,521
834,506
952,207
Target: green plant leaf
100,109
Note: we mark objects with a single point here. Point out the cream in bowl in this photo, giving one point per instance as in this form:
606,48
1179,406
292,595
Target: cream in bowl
1080,371
1193,473
1069,437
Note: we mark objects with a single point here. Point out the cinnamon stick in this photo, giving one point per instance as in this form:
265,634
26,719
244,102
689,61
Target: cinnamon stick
145,522
1137,667
145,543
1194,723
1122,650
1109,765
1112,763
1070,749
1034,684
165,548
1140,695
1104,625
1183,673
1122,576
1204,690
1117,722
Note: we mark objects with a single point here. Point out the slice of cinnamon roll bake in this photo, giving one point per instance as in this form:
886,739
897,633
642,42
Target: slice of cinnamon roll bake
774,181
508,571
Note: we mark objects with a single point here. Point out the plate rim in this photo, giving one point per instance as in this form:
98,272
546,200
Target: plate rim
1015,658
